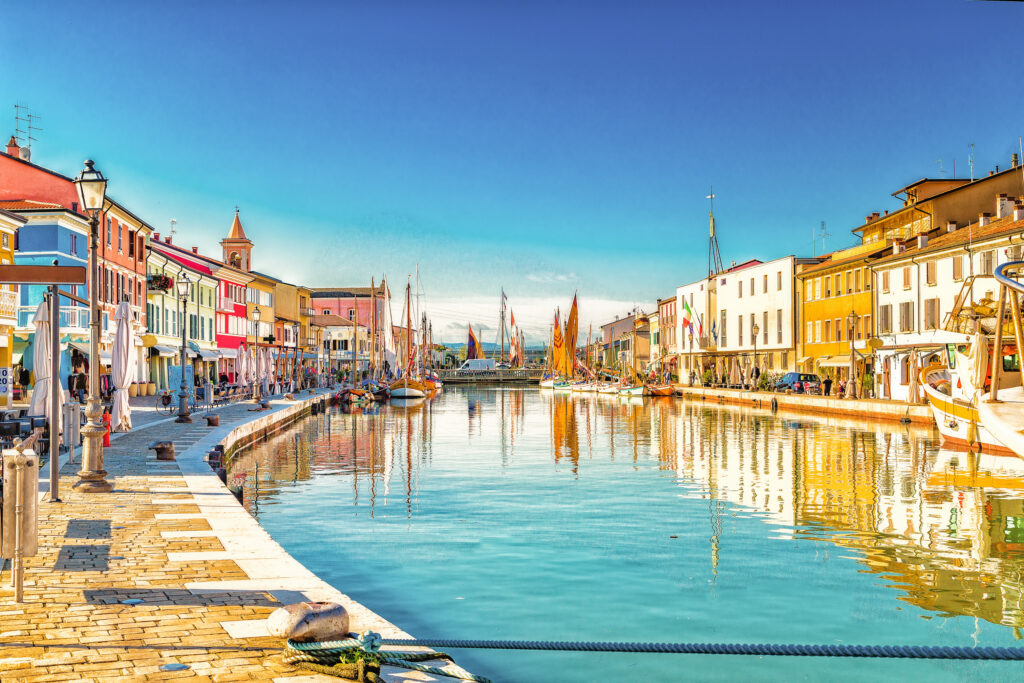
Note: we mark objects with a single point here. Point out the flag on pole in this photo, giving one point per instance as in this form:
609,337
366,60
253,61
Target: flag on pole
473,347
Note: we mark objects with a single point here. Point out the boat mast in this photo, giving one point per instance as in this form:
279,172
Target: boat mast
501,333
408,329
373,328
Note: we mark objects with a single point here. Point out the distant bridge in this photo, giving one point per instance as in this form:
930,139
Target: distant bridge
518,376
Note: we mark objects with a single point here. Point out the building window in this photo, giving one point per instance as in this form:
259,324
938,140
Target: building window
778,326
120,239
817,331
929,272
827,286
778,277
810,331
849,283
958,268
867,325
867,280
907,316
722,331
838,284
764,327
906,277
987,262
885,319
765,284
327,311
753,323
751,286
739,289
827,332
739,330
885,281
108,232
931,314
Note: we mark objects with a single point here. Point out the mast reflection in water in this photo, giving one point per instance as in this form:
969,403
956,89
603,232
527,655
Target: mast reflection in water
501,513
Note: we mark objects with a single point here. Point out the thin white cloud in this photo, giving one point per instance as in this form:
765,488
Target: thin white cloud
548,278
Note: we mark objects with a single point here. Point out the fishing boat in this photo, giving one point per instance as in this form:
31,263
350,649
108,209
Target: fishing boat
408,386
959,388
634,391
660,390
608,389
548,383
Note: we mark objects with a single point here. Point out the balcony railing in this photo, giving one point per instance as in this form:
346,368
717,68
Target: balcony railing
71,317
8,306
307,312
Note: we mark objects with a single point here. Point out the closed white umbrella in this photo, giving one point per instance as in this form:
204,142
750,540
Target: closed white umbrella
240,369
914,394
41,360
251,368
266,370
122,366
979,357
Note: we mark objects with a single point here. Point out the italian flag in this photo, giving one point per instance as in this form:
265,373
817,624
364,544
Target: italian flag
687,315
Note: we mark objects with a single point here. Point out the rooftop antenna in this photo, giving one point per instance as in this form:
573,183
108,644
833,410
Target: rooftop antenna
714,256
824,233
970,159
942,171
174,221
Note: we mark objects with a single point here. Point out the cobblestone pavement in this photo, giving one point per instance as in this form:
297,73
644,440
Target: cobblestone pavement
98,550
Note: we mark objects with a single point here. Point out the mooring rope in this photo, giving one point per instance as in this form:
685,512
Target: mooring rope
366,649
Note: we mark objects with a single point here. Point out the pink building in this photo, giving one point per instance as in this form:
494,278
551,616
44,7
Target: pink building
350,303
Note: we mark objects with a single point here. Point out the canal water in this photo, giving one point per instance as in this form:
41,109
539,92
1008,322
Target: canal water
508,513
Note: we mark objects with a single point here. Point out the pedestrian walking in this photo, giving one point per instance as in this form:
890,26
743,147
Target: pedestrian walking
827,384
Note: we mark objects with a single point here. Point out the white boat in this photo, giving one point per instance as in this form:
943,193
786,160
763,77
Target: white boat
407,388
548,383
608,389
633,391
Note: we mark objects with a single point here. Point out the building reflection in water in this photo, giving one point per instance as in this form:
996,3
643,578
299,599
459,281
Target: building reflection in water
945,528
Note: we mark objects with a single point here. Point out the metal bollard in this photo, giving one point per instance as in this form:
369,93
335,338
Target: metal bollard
19,527
164,449
72,427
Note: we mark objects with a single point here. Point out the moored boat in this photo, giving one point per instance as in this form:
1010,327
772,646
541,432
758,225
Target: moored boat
661,390
407,388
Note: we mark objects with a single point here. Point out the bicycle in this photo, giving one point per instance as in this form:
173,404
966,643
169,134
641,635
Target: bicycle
167,403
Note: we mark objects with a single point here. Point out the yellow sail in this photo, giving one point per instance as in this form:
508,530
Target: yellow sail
571,325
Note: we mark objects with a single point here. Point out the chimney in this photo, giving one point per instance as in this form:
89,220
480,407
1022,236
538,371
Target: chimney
897,246
984,219
922,241
951,226
195,250
1018,212
1014,160
156,237
12,147
887,212
991,173
167,239
1004,205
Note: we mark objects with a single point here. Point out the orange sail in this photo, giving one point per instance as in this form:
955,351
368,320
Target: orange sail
473,347
571,325
558,348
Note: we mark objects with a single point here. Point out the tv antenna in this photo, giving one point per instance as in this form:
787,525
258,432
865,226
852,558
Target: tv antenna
824,233
970,159
942,171
174,222
714,256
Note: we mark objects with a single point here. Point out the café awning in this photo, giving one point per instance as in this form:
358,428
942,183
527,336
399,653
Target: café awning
84,348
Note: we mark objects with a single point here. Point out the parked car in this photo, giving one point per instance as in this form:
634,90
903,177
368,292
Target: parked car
800,383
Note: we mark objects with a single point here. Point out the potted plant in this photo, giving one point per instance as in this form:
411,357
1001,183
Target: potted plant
133,390
150,389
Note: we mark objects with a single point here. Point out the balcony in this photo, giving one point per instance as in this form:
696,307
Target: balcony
71,317
226,304
8,307
307,312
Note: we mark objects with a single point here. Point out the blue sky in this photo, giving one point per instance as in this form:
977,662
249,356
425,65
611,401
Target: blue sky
543,147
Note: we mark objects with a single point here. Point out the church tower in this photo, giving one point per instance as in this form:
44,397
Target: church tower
236,247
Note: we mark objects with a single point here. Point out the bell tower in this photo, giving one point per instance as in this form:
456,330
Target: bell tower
236,247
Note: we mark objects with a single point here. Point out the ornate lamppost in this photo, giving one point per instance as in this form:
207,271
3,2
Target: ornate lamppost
92,189
256,356
851,322
184,286
755,330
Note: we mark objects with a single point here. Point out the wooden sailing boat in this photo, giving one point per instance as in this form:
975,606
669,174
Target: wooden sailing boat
408,386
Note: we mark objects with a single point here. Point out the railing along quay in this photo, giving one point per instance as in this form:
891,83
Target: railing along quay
517,376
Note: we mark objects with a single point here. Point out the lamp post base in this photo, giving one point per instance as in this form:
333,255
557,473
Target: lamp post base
183,419
92,477
93,482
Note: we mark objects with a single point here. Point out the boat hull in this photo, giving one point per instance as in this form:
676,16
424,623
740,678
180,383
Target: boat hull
960,425
407,388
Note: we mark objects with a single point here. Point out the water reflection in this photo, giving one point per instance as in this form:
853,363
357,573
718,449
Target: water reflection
944,528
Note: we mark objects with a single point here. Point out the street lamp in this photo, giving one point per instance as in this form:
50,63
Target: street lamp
183,285
92,189
755,330
327,349
256,356
851,322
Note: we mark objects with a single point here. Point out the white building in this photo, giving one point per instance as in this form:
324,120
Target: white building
918,285
757,312
695,343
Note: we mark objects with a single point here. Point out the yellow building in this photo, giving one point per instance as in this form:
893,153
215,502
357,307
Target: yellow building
9,224
837,302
